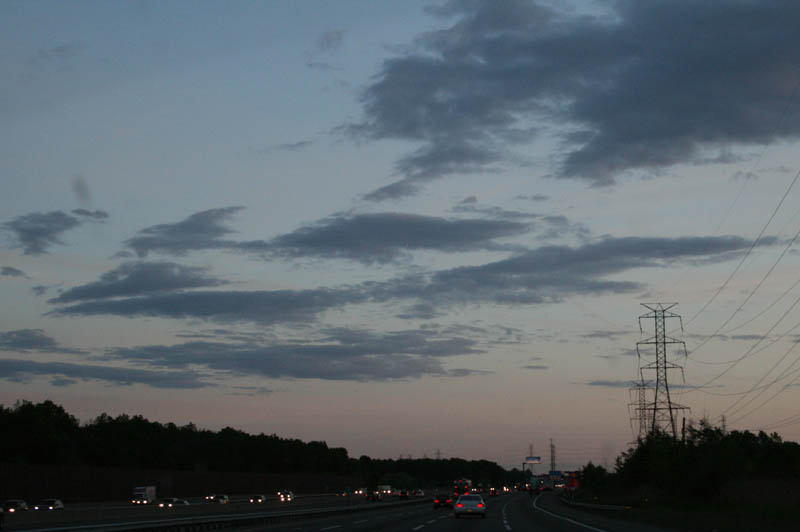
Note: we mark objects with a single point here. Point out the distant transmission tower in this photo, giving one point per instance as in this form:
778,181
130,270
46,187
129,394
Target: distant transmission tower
552,456
639,407
661,412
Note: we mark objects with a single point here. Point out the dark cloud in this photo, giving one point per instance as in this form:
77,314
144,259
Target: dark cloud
613,384
96,214
137,278
263,307
419,311
384,237
200,231
37,231
65,374
252,391
548,226
8,271
543,275
534,197
536,367
606,335
339,354
366,238
644,86
287,146
39,289
25,340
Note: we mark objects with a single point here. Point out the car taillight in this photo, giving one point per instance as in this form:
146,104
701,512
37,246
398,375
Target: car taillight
436,500
459,505
480,505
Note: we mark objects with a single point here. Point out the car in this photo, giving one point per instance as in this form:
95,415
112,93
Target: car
469,505
419,493
442,500
49,504
285,496
373,496
258,499
403,494
218,498
14,505
493,492
171,502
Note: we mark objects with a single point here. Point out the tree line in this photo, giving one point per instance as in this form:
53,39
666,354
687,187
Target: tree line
45,433
699,467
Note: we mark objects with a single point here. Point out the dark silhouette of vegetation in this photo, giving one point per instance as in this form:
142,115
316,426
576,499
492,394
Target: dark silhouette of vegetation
699,468
45,433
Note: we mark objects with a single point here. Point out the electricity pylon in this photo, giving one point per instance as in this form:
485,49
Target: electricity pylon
639,406
661,412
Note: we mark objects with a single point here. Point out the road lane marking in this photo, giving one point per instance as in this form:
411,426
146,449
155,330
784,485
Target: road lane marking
359,522
537,507
331,527
417,528
431,521
505,518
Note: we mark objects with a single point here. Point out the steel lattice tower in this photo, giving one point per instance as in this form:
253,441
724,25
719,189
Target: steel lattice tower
640,406
662,411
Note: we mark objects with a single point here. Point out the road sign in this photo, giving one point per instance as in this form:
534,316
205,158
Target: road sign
533,459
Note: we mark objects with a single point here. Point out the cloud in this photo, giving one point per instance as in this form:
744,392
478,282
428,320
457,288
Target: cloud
420,311
263,307
534,197
26,340
366,238
384,237
643,86
137,278
287,146
535,367
539,276
606,335
66,374
8,271
37,231
338,354
612,383
252,391
39,289
96,215
200,231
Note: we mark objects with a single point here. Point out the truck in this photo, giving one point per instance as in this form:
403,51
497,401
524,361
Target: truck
144,495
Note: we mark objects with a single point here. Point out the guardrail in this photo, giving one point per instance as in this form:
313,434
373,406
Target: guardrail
210,522
592,506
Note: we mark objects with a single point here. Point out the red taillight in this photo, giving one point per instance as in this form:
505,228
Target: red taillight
449,500
459,505
436,500
480,505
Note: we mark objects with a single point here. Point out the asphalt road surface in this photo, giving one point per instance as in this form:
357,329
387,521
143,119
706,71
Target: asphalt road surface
506,513
514,512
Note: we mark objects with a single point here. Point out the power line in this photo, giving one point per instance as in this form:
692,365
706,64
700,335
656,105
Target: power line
738,266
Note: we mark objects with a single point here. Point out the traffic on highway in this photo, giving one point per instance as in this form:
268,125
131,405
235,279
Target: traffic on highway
482,509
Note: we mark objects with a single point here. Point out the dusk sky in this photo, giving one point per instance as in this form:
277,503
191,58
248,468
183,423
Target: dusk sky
401,227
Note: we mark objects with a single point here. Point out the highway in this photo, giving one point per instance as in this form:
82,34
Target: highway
505,513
